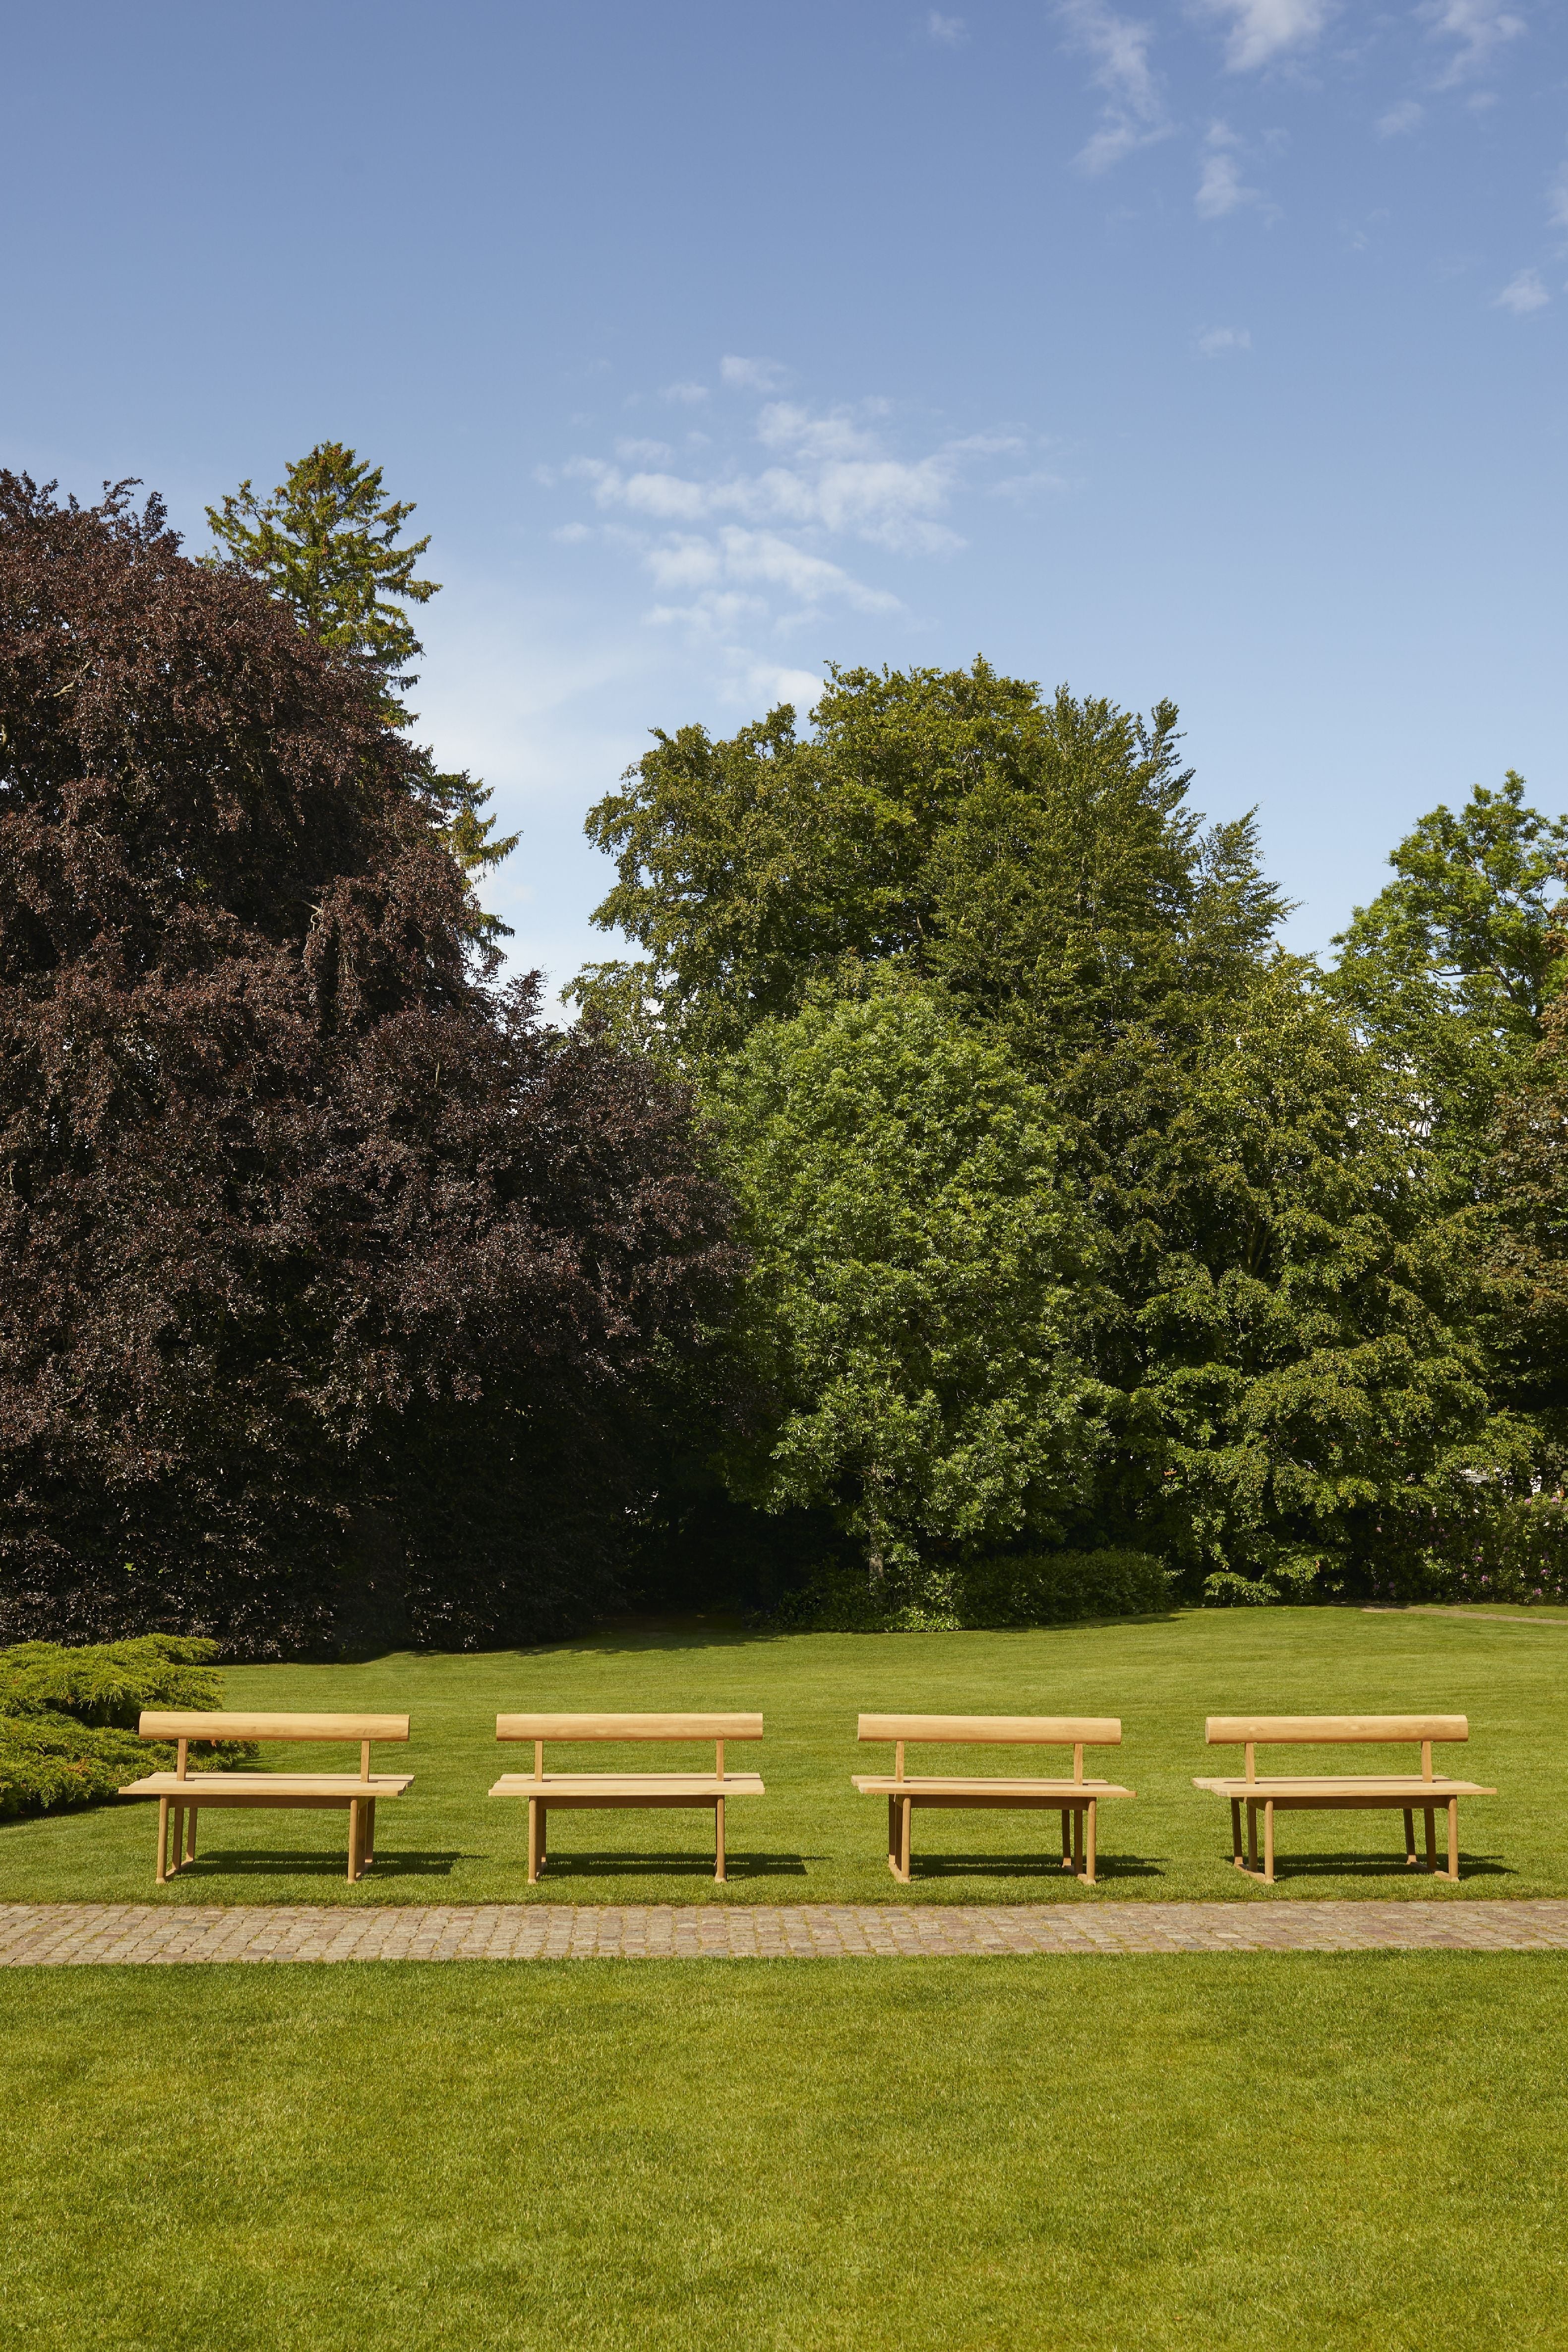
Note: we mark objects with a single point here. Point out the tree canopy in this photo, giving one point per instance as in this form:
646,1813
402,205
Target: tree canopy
299,1220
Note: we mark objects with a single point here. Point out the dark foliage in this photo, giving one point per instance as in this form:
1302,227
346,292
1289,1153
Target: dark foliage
313,1249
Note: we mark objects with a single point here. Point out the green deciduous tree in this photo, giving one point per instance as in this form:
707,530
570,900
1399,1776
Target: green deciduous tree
919,1261
1450,970
329,543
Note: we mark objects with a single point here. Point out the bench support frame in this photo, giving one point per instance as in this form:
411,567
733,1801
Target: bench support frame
1409,1805
540,1809
1079,1824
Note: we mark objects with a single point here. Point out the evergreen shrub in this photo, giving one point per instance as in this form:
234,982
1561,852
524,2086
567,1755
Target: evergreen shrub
68,1716
1020,1589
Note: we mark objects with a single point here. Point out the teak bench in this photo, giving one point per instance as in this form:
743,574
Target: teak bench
182,1795
1075,1799
1406,1792
599,1791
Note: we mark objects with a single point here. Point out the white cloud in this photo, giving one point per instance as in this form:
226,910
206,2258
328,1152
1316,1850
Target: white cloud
1557,200
571,534
651,453
1221,187
1480,27
750,376
1215,339
947,32
688,394
1523,294
1400,119
1135,114
1262,30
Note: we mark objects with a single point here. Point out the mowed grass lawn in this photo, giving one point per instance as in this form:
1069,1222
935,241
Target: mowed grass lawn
812,1837
1206,2152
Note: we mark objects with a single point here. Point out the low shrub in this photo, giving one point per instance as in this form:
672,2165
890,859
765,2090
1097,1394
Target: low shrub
1516,1552
68,1716
1015,1589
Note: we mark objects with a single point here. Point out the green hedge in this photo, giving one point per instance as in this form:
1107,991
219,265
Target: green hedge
1516,1552
1057,1588
68,1717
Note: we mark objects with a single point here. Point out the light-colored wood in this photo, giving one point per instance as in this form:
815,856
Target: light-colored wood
191,1811
628,1726
995,1731
1331,1730
354,1837
897,1759
161,1725
718,1758
364,1759
1078,1759
235,1788
629,1788
1252,1765
533,1841
1089,1872
181,1754
718,1842
539,1760
1426,1759
1409,1837
1051,1791
1268,1843
162,1871
1383,1784
1454,1839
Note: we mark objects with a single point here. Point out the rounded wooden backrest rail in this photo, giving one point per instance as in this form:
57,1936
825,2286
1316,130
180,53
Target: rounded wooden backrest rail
628,1726
1001,1731
157,1724
1329,1730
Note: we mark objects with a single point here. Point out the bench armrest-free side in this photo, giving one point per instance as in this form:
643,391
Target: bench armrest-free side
1324,1791
602,1792
284,1791
1076,1799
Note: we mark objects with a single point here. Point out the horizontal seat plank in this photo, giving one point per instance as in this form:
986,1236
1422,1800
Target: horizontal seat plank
235,1788
229,1724
998,1730
1399,1788
629,1787
629,1726
1329,1730
880,1784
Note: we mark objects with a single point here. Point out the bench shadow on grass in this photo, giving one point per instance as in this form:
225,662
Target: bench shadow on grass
686,1864
277,1861
1386,1868
1045,1866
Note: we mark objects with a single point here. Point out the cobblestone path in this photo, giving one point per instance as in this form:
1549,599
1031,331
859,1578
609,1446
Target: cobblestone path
72,1933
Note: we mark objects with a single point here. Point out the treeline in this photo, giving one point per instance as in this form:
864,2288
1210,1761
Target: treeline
961,1209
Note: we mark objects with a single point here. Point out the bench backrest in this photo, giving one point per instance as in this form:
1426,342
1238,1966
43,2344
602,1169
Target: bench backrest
1255,1731
540,1727
184,1725
1075,1731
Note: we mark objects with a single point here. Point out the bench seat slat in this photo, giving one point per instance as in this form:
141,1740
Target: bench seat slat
630,1785
233,1788
878,1784
1408,1789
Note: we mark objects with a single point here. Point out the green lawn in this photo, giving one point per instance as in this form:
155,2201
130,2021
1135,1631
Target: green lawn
812,1837
1207,2153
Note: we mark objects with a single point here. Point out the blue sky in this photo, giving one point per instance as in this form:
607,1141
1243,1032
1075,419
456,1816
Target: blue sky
1212,351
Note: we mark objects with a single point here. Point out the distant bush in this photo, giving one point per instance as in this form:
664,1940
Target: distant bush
1017,1589
67,1717
1517,1552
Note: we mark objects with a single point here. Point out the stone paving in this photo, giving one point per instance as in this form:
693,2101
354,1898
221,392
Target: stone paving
73,1934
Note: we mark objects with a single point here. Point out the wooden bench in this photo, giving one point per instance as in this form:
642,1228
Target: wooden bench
182,1794
600,1791
1075,1799
1406,1792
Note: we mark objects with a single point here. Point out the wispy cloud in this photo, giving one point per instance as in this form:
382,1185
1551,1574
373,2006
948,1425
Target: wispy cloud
947,32
1479,27
750,376
1262,30
1134,112
1221,187
1557,199
1215,340
686,394
1523,294
1400,119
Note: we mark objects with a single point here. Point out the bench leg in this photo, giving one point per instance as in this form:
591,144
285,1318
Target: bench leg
1252,1833
1236,1832
534,1810
1066,1841
1269,1844
356,1833
1431,1839
1409,1839
1454,1839
161,1871
177,1837
190,1834
369,1853
1078,1840
719,1840
898,1860
1089,1872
